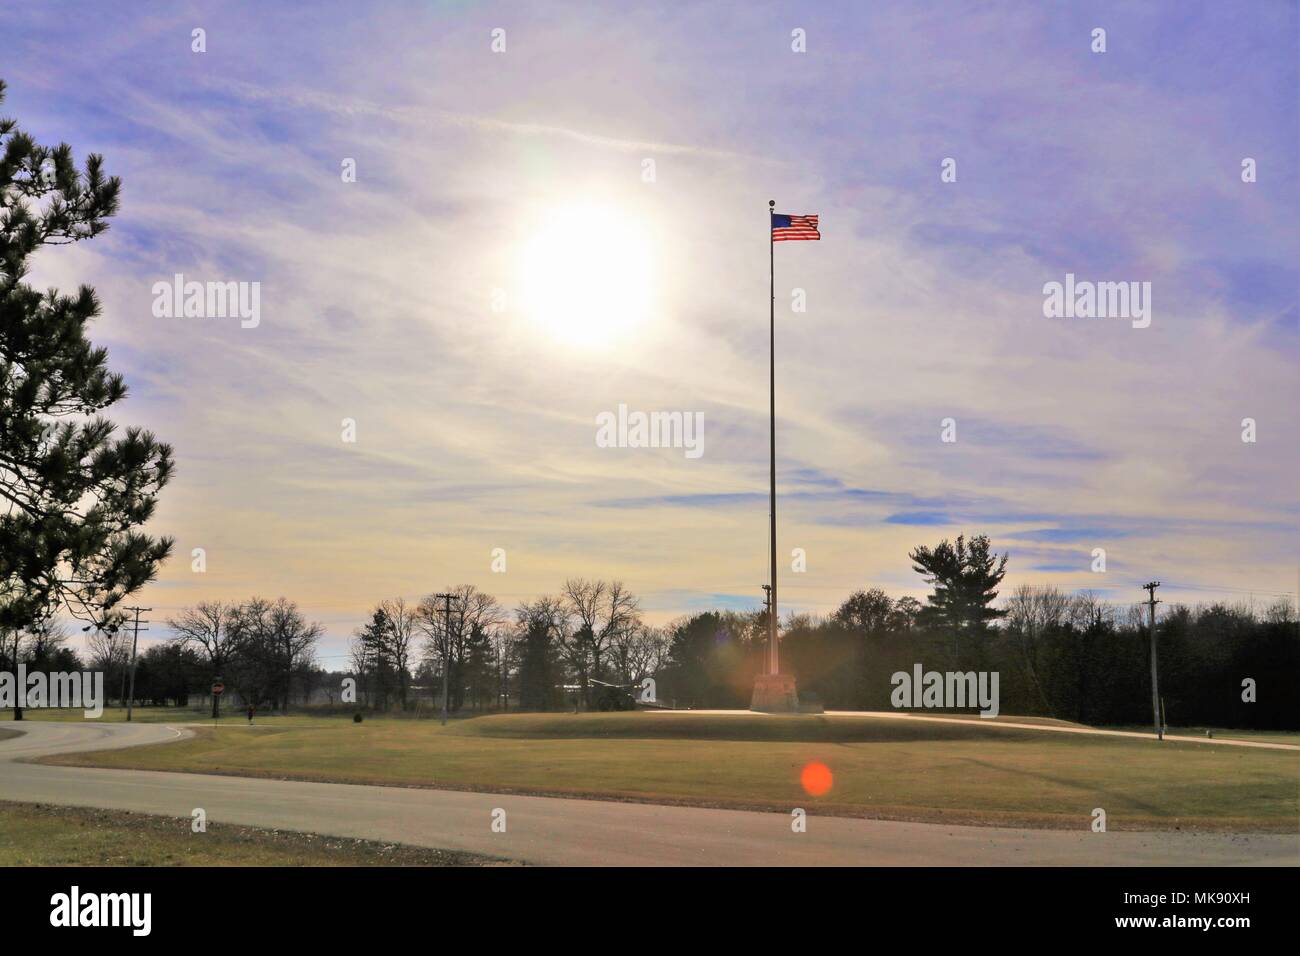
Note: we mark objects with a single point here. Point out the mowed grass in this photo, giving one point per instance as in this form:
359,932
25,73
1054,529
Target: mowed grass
966,772
34,834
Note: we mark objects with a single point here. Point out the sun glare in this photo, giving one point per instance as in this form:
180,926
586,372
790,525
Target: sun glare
587,275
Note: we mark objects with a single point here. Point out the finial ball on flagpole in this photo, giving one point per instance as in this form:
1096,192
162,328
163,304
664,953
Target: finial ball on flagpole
771,202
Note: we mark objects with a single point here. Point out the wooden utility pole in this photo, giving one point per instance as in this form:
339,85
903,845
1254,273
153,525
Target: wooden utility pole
1155,679
135,640
446,649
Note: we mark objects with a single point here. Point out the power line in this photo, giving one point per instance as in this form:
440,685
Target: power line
1216,587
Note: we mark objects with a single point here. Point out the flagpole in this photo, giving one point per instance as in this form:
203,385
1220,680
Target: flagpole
773,661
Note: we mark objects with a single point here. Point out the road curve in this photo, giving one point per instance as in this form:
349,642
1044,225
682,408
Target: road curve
554,831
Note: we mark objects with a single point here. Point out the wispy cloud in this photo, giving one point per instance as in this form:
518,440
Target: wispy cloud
924,302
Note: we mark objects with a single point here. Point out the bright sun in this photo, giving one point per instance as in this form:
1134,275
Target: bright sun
586,275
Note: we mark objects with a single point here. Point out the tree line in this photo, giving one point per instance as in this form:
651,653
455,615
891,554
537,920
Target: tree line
548,653
263,650
1067,656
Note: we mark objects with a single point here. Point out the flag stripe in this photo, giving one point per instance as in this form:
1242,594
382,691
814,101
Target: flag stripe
787,228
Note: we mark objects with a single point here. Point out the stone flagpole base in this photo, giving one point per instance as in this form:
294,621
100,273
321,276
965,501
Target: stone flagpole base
775,694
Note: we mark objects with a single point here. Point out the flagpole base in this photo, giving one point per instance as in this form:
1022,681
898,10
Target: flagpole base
775,694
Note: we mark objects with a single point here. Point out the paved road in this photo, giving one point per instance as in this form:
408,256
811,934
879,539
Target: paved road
547,830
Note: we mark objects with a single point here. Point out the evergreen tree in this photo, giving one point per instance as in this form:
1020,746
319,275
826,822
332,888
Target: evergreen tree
541,629
480,666
965,578
74,491
372,657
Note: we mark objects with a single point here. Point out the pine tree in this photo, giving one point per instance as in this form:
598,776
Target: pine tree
965,578
541,628
74,492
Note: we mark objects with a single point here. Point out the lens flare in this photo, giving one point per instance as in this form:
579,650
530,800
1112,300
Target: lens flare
816,779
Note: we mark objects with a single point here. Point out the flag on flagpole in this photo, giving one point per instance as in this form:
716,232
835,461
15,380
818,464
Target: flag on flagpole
790,228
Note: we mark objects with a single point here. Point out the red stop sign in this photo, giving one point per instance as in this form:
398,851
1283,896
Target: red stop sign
218,688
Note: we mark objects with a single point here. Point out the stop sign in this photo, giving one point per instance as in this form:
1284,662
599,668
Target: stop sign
217,688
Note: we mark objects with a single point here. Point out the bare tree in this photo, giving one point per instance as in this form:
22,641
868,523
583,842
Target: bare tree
604,611
361,654
639,652
446,634
210,628
11,655
506,658
32,645
1030,612
280,640
403,626
45,638
109,650
1087,610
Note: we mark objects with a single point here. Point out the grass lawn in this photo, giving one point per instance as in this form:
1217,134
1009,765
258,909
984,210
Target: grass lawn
34,834
966,772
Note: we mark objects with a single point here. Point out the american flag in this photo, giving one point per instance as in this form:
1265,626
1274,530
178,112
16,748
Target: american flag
789,228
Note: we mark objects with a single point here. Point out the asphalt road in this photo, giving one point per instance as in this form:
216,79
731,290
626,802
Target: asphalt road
547,830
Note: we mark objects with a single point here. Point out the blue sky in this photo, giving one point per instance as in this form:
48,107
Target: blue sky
924,298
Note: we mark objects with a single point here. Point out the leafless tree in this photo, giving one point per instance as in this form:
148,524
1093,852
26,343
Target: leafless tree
505,655
445,635
1031,611
361,653
280,639
108,649
639,652
603,611
209,628
1087,610
403,623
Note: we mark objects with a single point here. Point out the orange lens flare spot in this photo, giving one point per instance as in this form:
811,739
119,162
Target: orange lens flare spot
816,779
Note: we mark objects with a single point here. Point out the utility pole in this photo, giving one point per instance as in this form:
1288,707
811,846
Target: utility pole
1155,679
503,678
135,640
767,604
446,649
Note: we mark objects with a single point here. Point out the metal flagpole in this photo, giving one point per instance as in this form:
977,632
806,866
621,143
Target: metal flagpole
773,663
